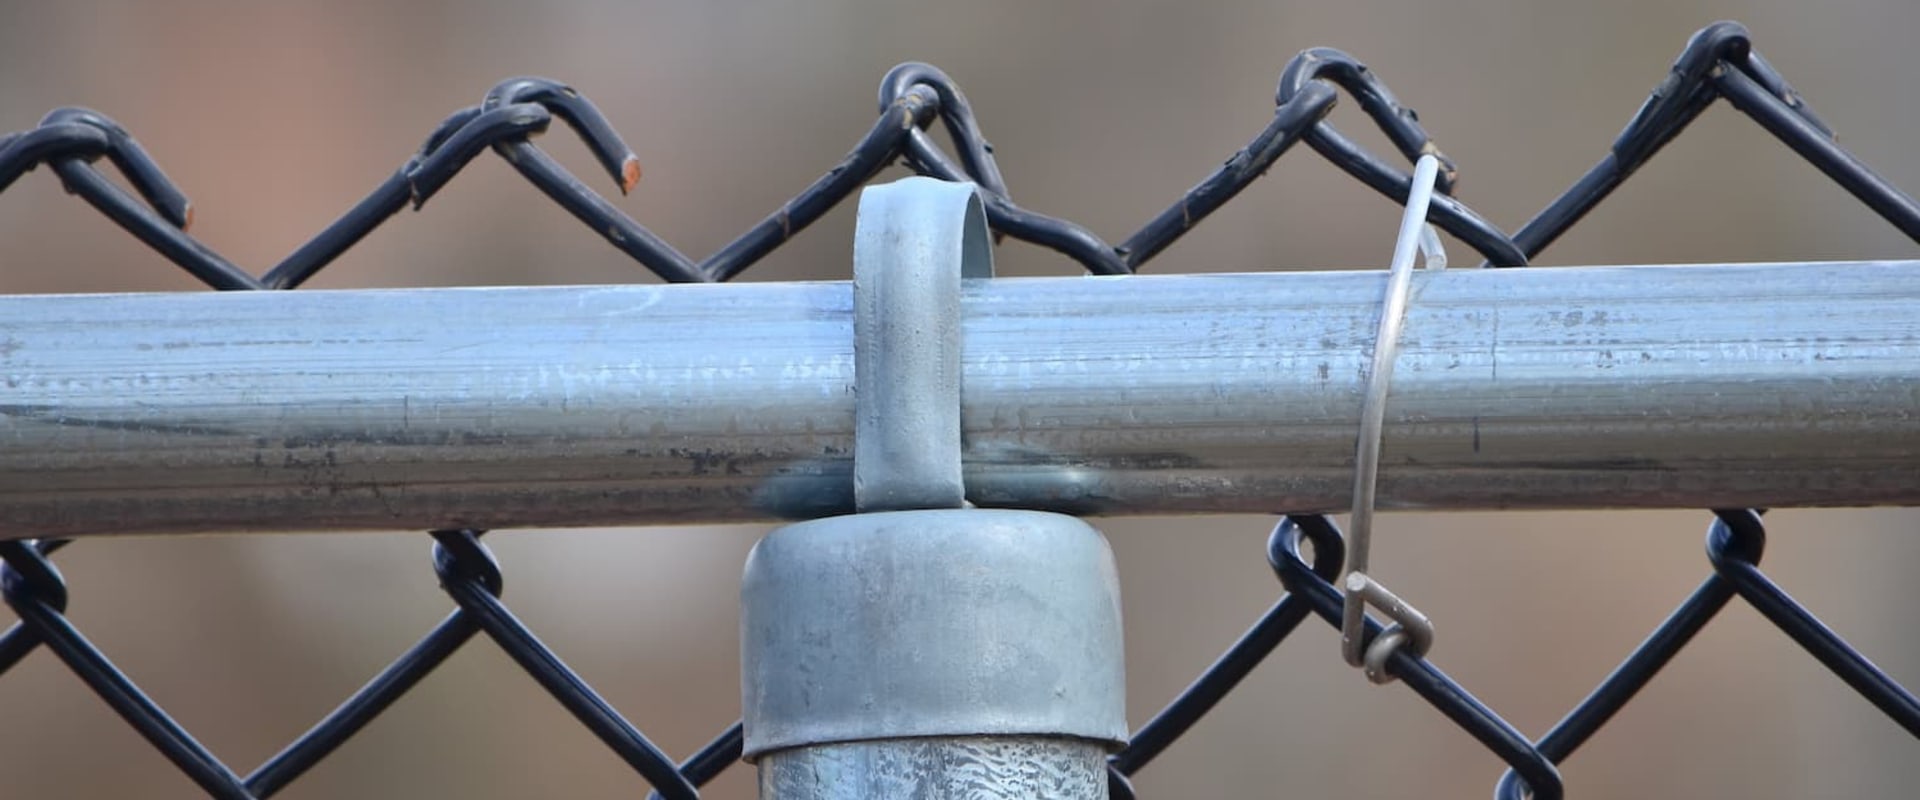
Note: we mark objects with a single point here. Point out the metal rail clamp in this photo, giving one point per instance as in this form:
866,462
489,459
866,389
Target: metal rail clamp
921,647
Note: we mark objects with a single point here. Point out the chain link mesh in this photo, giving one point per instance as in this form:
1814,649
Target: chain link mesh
1718,62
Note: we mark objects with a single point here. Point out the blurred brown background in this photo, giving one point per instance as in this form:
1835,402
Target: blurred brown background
277,116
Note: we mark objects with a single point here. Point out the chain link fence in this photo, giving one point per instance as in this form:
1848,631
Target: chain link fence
1718,63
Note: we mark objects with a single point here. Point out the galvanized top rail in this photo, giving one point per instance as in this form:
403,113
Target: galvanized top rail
1669,386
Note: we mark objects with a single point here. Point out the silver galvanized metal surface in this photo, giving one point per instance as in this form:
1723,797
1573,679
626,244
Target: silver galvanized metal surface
931,623
917,649
1673,386
999,768
915,241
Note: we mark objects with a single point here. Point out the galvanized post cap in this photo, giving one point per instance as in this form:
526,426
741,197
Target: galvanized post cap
931,623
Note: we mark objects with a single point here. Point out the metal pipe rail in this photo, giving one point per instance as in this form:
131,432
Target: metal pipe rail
1578,387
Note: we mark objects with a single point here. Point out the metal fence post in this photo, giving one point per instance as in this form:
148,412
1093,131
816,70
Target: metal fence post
925,649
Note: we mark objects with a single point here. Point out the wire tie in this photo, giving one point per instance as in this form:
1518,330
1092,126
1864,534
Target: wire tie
1410,628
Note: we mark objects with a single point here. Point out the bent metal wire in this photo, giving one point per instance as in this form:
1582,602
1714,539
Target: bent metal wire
1717,62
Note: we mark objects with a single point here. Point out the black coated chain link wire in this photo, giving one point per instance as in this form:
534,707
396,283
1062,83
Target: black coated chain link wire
1718,62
